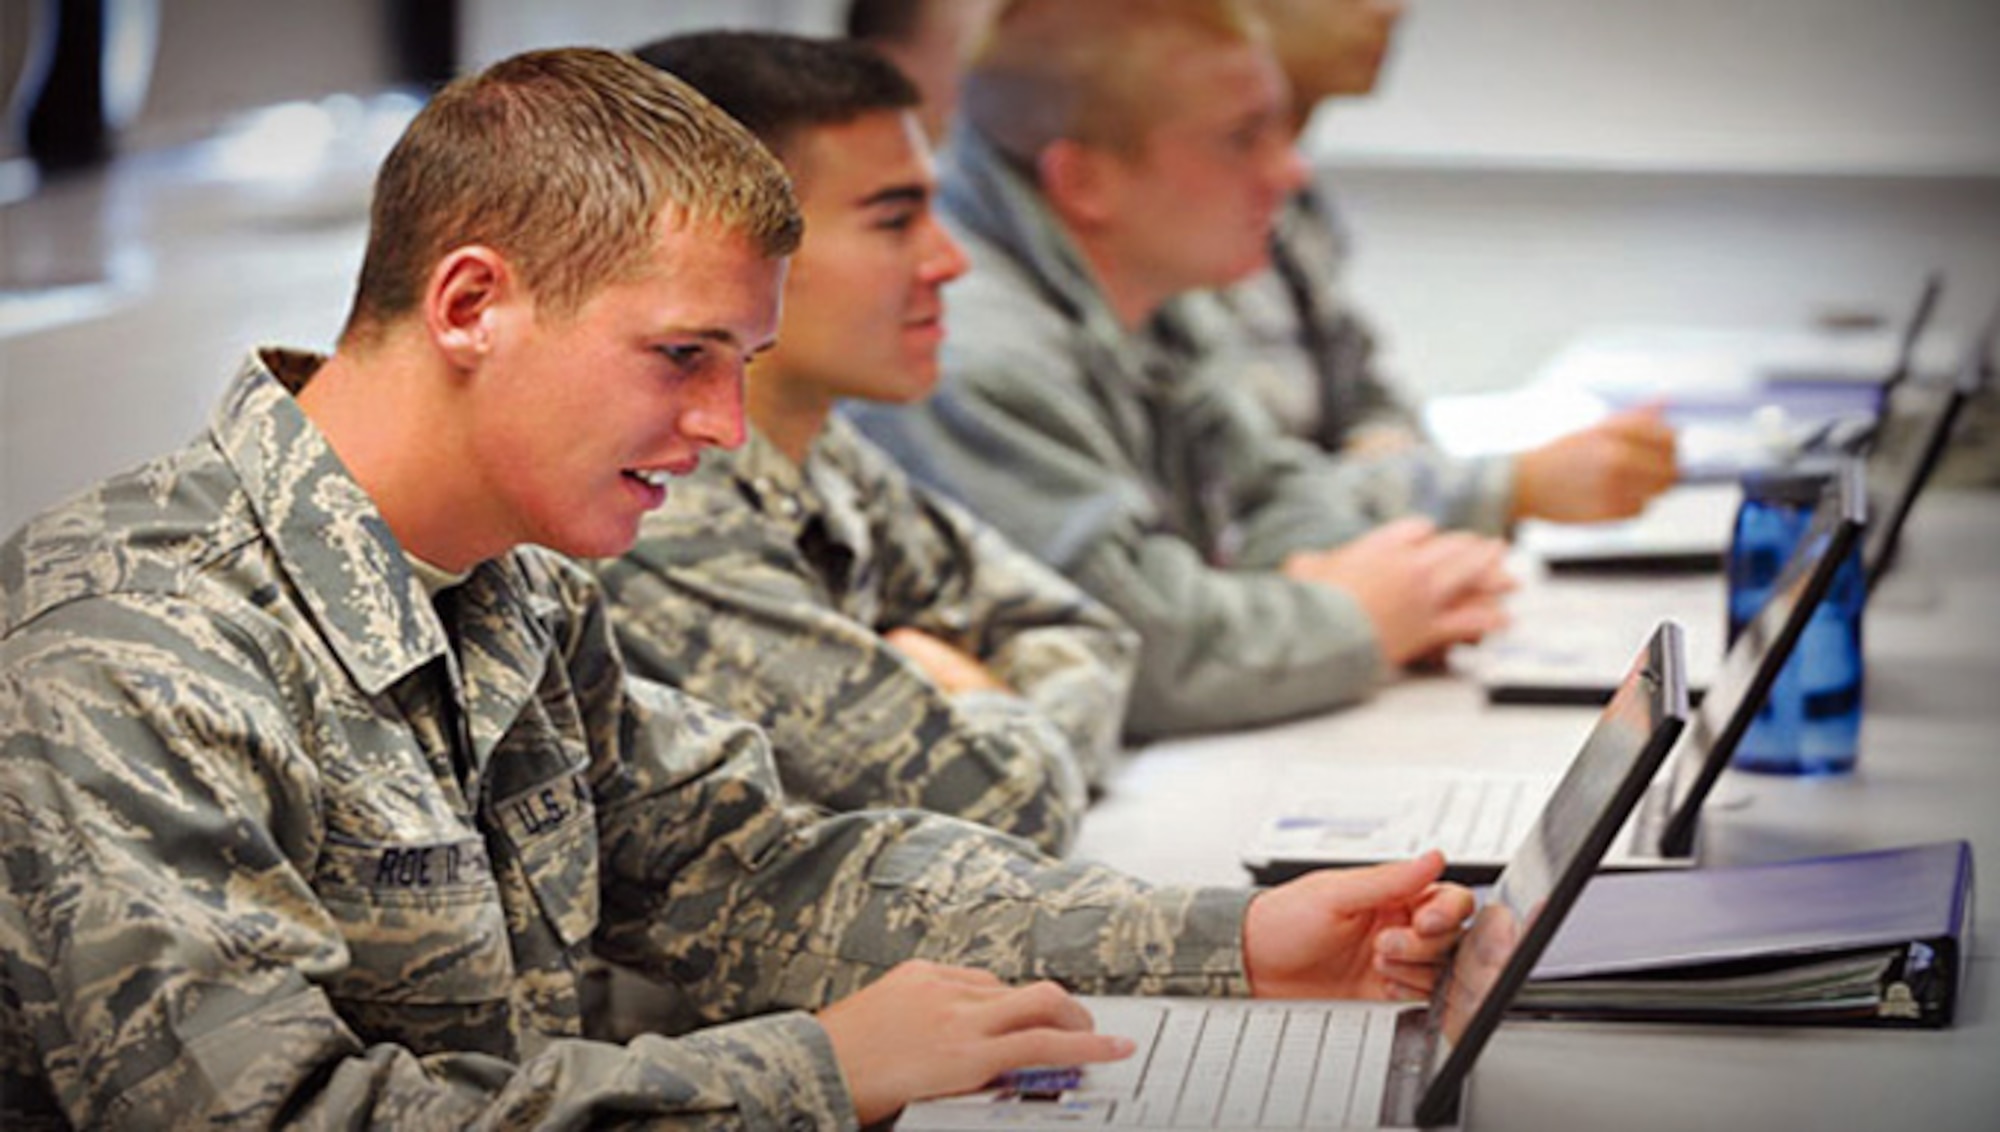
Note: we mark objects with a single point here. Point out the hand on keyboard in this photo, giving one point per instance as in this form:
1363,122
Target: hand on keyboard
929,1030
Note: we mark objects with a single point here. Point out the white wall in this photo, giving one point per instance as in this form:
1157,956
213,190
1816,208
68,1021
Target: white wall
1825,85
1475,277
493,29
1530,168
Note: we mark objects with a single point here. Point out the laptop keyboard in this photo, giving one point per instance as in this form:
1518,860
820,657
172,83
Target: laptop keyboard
1265,1067
1484,819
1488,819
1220,1065
1472,818
1582,637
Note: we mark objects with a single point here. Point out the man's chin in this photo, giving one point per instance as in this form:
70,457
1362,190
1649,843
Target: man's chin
912,385
609,542
1246,267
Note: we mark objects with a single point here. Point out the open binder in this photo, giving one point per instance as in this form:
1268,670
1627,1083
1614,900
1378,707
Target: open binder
1864,939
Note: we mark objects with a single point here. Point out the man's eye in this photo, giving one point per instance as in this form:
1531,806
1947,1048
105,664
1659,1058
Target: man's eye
686,357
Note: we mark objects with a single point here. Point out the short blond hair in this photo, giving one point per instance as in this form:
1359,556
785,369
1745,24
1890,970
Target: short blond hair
1084,70
564,161
1307,38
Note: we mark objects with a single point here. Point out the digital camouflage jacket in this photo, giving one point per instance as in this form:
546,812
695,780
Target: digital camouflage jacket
766,587
287,842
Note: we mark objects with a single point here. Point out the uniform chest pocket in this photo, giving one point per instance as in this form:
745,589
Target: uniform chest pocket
553,828
423,922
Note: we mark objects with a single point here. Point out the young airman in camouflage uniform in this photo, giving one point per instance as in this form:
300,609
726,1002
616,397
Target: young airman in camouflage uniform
783,580
1110,159
318,787
1292,336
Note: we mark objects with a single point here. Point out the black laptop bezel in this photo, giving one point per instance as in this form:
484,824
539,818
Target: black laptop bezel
1663,674
1879,553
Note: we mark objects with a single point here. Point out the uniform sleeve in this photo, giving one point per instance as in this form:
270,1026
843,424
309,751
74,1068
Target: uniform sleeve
163,952
714,606
1282,494
1290,493
714,885
954,576
1464,493
1219,647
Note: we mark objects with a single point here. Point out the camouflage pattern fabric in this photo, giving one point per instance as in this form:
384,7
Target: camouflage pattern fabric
766,587
1145,476
287,842
1325,394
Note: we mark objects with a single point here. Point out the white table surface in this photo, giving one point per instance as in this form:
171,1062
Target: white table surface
1179,812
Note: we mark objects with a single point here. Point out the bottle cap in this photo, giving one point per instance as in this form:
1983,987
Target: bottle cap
1799,484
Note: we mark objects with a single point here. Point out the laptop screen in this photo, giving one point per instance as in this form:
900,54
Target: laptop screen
1759,652
1913,331
1541,881
1903,478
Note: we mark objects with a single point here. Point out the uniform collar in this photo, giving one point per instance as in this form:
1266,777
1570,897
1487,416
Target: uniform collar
817,506
775,485
987,194
329,539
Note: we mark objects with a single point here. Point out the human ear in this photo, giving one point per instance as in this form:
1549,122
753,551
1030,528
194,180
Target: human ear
459,301
1078,181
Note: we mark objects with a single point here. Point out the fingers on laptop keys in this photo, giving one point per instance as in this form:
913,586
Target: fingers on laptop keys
930,1030
1039,1083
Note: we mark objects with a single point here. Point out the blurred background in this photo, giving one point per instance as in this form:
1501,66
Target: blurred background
183,179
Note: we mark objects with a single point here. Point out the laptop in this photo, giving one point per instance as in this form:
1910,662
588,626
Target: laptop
1906,472
1242,1064
1568,642
1686,530
1563,646
1361,817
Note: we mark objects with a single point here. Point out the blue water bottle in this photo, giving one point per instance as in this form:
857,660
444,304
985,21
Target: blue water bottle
1811,721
